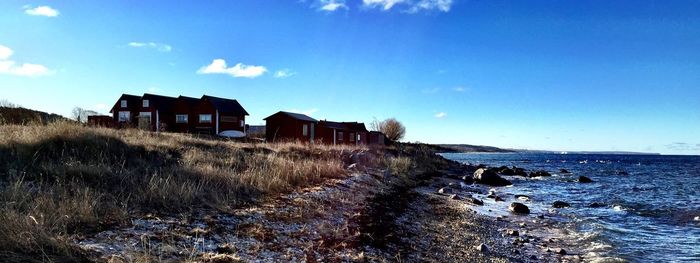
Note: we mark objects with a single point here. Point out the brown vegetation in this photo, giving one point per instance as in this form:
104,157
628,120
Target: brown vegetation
392,128
64,179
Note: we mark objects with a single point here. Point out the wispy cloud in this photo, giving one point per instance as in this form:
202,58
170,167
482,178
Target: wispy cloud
440,115
10,67
240,70
459,89
332,5
157,46
284,73
440,5
41,11
383,4
412,6
309,112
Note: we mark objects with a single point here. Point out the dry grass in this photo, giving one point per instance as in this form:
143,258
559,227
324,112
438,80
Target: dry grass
63,179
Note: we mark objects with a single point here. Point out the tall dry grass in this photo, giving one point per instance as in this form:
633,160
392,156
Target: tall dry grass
63,179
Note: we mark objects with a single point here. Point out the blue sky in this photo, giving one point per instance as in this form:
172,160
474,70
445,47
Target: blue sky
556,75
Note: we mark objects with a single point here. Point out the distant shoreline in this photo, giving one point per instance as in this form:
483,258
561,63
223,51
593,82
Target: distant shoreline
467,148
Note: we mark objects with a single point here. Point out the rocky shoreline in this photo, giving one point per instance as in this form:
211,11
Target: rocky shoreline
444,213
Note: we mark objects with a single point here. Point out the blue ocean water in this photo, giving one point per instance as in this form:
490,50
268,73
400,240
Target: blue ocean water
651,209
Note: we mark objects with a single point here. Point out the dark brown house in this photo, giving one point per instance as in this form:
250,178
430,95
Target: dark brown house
207,114
330,132
126,110
215,115
288,126
377,138
100,121
358,132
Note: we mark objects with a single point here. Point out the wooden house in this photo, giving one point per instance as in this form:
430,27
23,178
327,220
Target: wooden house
215,115
377,138
100,121
288,126
156,112
125,110
184,114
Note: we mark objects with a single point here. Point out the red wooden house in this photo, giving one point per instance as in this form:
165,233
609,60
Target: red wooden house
126,110
215,115
185,115
288,126
156,113
330,132
358,132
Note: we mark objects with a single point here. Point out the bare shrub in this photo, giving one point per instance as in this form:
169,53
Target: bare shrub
392,128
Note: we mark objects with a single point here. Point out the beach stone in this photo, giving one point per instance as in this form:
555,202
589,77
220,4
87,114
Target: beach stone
622,173
445,190
476,201
455,197
518,208
533,257
489,177
498,199
468,179
596,205
560,204
584,179
482,247
523,197
513,232
519,171
560,251
564,171
352,166
540,173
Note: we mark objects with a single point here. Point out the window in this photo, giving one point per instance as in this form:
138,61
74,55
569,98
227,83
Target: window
145,103
123,103
352,137
358,137
340,136
145,114
204,118
305,130
181,118
242,123
124,116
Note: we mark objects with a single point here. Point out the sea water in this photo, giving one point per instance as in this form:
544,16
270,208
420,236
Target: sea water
651,203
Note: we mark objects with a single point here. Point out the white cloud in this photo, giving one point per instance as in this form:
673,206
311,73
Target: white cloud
384,4
284,73
158,46
41,11
218,66
441,5
440,115
413,6
459,89
332,5
309,112
5,52
10,67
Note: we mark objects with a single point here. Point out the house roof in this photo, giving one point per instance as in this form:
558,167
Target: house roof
333,125
297,116
126,97
356,126
163,103
226,105
189,100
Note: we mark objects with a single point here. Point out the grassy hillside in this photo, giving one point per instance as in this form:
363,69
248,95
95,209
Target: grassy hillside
18,115
63,179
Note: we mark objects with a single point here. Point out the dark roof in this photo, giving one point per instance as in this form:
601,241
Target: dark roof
333,125
189,100
226,105
126,97
356,126
163,103
297,116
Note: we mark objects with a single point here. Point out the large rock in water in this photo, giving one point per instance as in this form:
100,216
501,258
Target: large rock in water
583,179
519,208
491,178
560,204
540,173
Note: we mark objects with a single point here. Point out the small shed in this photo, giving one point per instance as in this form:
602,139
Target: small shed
377,138
100,121
289,126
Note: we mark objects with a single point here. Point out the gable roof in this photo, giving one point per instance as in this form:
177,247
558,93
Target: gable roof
297,116
333,125
226,105
189,100
356,126
124,96
163,103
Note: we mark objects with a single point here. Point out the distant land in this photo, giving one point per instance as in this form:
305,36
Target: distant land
19,115
468,148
